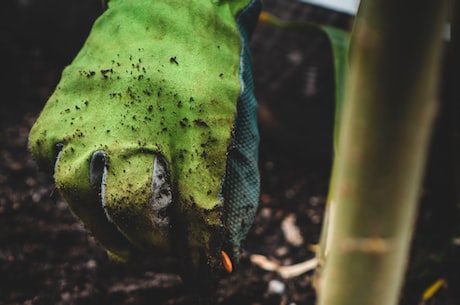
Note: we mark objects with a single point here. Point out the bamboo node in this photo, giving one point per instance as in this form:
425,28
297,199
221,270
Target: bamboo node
376,245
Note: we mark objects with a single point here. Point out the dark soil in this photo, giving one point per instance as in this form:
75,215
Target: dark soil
47,257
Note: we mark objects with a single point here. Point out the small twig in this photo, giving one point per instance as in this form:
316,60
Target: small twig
284,271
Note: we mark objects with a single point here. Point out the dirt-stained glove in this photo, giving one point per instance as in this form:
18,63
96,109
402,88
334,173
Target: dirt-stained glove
152,134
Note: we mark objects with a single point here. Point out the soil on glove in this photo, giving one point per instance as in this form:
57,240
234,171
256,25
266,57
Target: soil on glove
47,257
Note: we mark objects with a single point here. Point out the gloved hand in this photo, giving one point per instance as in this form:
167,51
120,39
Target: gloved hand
152,134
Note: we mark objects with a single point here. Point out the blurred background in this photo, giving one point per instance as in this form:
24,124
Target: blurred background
46,256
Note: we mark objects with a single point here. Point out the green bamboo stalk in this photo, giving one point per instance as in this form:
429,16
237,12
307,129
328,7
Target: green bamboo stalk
390,105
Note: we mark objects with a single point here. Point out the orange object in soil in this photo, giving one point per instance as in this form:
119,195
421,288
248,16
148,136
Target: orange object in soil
226,261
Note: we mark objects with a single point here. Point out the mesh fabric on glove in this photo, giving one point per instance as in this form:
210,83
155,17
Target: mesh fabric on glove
241,183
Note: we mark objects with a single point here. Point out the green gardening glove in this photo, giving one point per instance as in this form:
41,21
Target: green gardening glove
152,135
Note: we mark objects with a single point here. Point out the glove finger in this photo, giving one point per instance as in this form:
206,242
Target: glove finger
73,182
136,196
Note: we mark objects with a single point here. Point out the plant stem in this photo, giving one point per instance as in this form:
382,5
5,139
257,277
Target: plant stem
390,105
